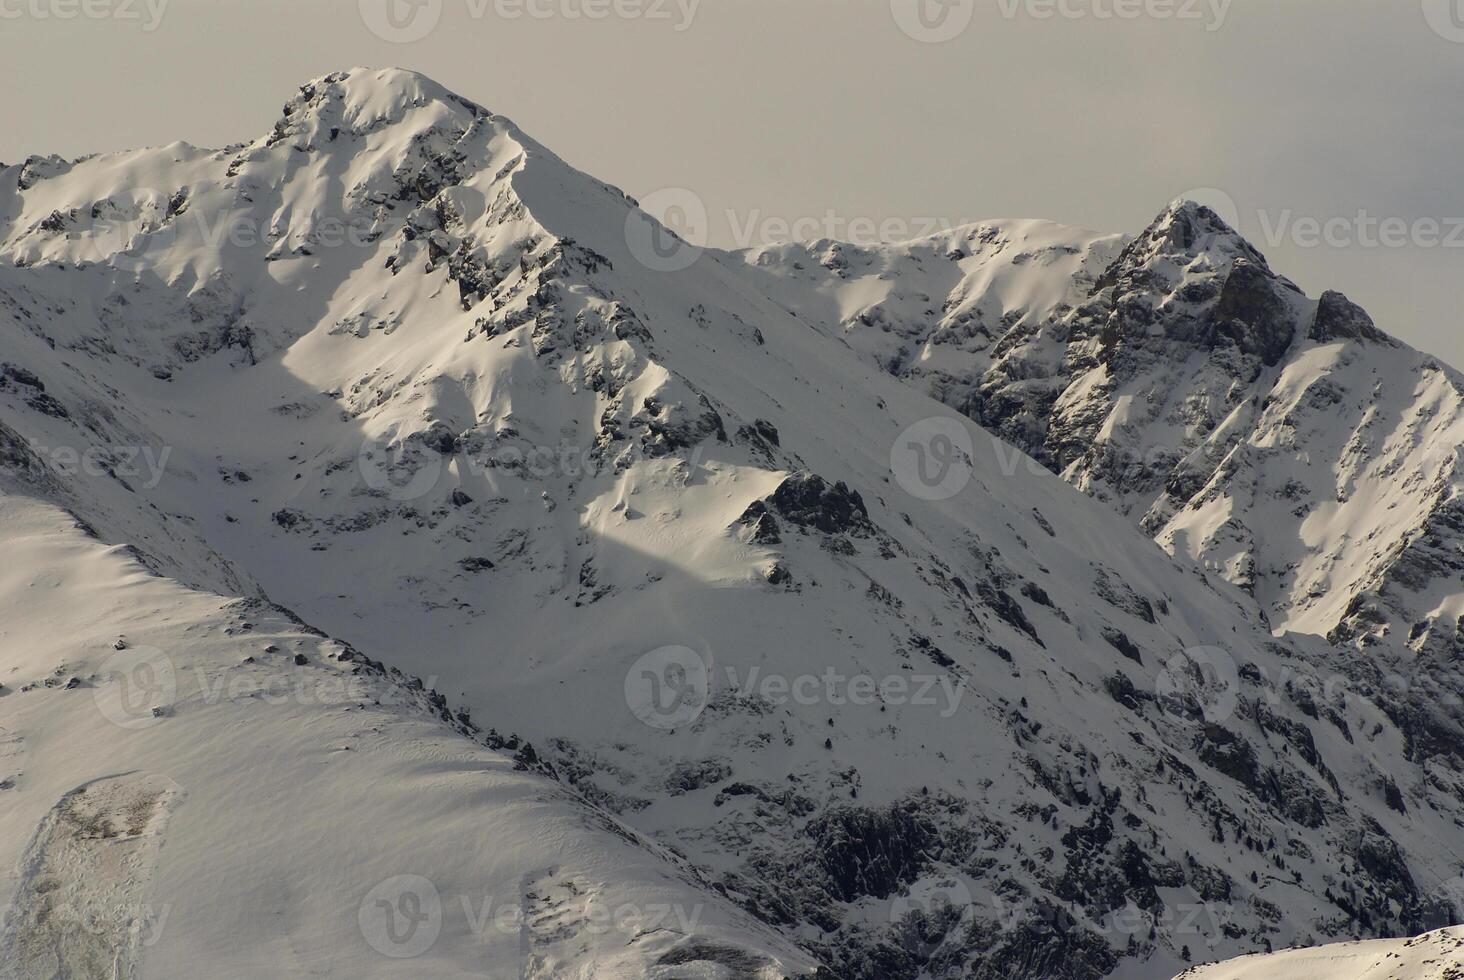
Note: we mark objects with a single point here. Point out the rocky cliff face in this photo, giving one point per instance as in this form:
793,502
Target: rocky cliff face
1284,442
444,403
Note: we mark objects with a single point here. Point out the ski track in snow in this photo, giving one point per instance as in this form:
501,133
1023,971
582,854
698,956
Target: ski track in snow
81,908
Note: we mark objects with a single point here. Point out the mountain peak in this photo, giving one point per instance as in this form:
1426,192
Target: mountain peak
1186,254
361,86
361,100
1188,228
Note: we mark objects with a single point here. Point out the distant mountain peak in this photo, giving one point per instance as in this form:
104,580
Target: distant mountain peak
1190,226
360,101
375,89
1185,238
1178,377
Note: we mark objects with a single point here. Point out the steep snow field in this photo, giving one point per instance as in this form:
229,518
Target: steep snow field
857,667
258,824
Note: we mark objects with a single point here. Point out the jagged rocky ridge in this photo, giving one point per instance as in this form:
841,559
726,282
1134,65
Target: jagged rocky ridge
1285,443
424,393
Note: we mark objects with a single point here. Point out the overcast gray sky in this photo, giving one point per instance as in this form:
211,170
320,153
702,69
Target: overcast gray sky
1304,113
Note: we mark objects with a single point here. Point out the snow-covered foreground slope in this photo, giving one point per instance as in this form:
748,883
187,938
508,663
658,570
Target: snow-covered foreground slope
292,810
1437,955
1282,441
920,706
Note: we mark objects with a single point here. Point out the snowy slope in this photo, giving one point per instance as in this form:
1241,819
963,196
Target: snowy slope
287,788
1284,442
937,309
472,412
1438,955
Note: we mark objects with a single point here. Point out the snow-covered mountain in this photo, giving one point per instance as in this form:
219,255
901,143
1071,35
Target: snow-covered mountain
1284,442
761,609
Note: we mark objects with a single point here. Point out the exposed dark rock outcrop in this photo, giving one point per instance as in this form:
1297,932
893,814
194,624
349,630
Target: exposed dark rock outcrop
1338,318
807,500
